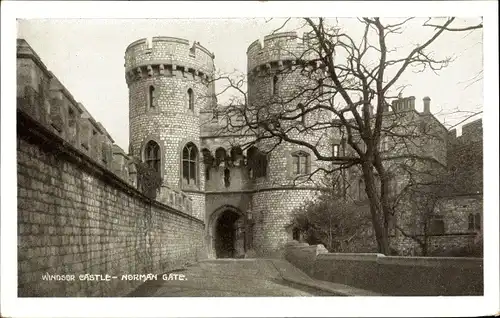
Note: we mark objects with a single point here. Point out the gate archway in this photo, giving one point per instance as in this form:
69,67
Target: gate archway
227,233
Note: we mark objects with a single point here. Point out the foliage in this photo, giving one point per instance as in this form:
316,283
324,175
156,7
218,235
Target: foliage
332,221
148,180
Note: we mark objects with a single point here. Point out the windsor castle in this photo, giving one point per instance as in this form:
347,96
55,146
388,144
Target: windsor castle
242,198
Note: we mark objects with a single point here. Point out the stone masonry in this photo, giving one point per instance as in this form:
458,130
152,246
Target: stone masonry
78,209
172,108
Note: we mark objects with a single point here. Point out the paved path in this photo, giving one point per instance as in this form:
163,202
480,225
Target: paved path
232,277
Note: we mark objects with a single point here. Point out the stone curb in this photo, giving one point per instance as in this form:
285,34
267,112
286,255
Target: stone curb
336,289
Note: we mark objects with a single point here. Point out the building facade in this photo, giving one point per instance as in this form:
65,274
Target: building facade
246,195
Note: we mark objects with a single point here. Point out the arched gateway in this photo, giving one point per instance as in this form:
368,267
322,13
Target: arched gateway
227,233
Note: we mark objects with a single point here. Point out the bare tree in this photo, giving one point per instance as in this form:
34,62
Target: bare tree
348,83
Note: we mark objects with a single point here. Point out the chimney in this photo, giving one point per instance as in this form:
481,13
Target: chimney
412,102
394,105
427,105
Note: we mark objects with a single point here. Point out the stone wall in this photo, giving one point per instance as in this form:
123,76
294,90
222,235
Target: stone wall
272,213
388,275
465,159
76,217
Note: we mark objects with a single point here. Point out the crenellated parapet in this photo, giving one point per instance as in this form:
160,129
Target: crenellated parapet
42,97
279,50
168,56
472,132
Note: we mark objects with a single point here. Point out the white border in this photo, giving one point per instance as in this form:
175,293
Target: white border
268,307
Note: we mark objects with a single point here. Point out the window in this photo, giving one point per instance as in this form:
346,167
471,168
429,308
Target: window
302,111
383,144
189,160
151,96
300,162
392,185
207,173
215,116
72,125
190,99
361,189
227,177
220,156
152,155
475,222
437,225
257,163
275,85
237,156
336,150
296,234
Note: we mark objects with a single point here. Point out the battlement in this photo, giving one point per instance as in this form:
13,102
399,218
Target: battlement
284,46
167,56
48,105
471,132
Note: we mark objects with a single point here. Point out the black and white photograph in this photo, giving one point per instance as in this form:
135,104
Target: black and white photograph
209,163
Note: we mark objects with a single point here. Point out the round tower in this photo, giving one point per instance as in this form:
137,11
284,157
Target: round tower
169,82
277,72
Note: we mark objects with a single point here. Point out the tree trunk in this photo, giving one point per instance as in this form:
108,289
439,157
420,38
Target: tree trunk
379,220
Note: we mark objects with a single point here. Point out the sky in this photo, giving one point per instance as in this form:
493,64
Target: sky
87,56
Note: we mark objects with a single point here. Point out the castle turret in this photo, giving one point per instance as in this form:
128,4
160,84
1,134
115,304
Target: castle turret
169,82
277,72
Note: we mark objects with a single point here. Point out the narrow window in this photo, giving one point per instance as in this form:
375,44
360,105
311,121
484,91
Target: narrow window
151,97
336,150
207,173
361,189
471,222
300,162
302,118
227,177
190,99
152,155
189,158
275,85
477,222
320,88
72,125
296,234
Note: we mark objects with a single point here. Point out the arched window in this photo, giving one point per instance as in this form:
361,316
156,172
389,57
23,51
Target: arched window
236,155
190,99
257,163
151,96
300,162
152,155
275,85
189,164
220,156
